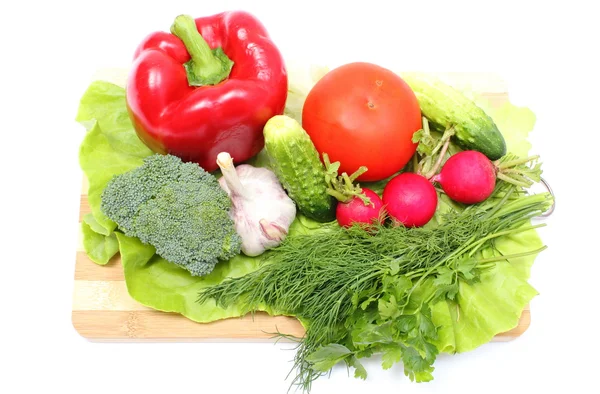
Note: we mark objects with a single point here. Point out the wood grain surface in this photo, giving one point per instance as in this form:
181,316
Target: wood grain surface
104,311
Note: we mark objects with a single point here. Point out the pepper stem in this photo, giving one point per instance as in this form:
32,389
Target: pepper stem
207,66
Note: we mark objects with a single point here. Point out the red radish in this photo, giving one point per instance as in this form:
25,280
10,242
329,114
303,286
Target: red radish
410,199
467,177
355,211
356,205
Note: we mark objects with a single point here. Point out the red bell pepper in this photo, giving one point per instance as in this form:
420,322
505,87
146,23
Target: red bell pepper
209,86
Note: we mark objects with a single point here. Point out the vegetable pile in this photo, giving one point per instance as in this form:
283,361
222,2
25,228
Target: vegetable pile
390,213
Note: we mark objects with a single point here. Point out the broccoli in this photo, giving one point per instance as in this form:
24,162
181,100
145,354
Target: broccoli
178,208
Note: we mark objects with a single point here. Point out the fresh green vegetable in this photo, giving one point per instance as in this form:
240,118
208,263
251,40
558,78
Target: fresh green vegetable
99,244
514,123
300,81
446,107
363,292
110,146
295,161
178,208
156,283
432,150
342,186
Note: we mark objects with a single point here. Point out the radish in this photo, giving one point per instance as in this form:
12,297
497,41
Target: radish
410,199
469,177
355,204
356,211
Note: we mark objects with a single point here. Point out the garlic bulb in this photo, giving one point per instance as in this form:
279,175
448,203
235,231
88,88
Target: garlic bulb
261,209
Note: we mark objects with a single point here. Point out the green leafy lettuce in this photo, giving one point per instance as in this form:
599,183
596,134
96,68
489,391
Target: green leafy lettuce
111,147
516,121
99,243
491,306
155,282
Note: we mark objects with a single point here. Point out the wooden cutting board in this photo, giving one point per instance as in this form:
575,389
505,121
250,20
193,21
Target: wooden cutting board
104,311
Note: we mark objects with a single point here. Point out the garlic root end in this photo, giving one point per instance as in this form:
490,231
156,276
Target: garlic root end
272,231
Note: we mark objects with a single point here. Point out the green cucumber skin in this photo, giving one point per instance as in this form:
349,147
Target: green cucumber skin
445,106
295,161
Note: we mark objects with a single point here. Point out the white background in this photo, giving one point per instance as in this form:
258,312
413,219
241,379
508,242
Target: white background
49,52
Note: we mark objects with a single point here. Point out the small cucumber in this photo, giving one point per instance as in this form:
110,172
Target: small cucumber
295,161
445,106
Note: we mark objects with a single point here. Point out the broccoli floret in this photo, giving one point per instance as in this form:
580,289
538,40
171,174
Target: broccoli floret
178,208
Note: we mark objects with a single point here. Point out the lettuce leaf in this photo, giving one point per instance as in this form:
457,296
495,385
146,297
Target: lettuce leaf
110,146
99,244
301,80
158,284
514,123
491,306
153,281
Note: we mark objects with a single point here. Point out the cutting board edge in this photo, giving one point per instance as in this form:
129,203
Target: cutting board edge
86,324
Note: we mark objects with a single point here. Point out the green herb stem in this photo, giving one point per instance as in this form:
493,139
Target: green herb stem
499,205
512,180
445,143
477,245
485,263
516,162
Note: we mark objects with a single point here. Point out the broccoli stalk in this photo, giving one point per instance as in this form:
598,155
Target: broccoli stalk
178,208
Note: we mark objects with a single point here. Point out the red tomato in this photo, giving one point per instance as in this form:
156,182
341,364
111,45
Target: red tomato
363,114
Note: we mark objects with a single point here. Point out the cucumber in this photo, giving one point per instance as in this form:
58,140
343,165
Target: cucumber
295,161
444,106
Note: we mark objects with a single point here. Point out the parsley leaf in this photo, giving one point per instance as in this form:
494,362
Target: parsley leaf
392,353
359,369
325,357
